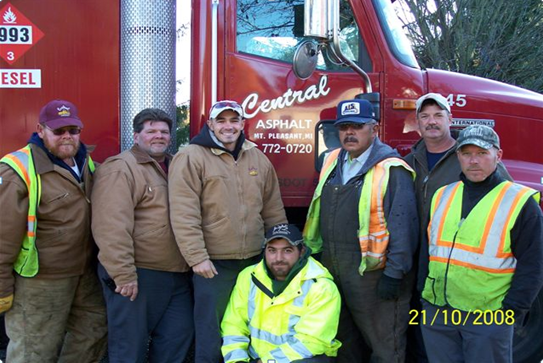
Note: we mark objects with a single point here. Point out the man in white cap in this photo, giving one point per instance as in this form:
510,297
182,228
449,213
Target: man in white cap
224,194
48,283
486,250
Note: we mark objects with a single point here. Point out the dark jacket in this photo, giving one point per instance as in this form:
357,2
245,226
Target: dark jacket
526,244
340,220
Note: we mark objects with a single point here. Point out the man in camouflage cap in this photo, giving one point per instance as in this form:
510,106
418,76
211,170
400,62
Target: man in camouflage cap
486,246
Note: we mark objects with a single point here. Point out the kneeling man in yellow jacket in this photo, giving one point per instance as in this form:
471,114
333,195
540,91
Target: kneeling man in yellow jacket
283,309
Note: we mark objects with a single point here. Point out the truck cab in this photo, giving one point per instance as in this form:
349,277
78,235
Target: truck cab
256,42
243,50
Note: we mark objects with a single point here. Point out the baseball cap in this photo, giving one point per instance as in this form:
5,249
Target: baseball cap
439,99
354,111
60,113
221,106
287,231
478,135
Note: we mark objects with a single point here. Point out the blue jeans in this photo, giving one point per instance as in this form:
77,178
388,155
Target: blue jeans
158,323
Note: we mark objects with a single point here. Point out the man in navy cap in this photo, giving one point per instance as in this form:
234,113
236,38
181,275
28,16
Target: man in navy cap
283,309
48,285
363,219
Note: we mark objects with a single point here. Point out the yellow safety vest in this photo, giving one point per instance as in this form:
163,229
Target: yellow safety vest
373,235
471,263
22,161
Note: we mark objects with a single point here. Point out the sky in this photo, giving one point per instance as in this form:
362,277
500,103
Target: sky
183,61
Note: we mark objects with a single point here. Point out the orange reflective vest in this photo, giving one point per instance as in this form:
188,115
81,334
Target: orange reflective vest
471,263
373,235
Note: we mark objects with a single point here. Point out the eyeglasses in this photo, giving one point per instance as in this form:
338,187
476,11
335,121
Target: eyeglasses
61,131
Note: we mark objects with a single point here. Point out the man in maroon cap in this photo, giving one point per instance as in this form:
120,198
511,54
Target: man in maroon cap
48,285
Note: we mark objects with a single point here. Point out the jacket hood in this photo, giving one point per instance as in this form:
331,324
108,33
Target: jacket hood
79,157
311,269
204,139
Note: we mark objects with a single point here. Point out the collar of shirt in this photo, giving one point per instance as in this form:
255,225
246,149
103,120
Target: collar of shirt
352,166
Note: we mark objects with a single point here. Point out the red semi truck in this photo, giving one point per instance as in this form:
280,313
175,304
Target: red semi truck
114,57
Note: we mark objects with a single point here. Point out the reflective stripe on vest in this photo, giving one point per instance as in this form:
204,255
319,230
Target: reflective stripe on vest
493,238
471,262
373,235
236,355
22,162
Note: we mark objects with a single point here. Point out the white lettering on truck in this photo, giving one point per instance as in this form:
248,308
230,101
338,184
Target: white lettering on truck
286,100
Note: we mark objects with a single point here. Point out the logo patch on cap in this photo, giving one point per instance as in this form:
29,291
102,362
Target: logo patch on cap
281,229
64,111
350,108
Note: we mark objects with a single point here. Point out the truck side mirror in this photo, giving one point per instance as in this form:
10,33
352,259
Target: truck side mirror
316,22
304,61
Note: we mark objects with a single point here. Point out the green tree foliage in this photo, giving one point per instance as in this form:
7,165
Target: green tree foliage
182,132
497,39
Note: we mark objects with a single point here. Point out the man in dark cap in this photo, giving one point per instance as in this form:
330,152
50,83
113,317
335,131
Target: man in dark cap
283,309
363,219
48,284
486,250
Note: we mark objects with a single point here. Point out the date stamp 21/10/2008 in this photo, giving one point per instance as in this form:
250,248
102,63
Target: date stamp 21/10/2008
458,317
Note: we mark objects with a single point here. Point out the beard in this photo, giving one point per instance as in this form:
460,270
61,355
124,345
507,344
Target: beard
63,149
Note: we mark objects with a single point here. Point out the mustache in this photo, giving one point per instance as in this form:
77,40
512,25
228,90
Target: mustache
279,264
433,127
350,139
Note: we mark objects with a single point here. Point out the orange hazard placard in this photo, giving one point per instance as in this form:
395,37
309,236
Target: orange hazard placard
17,33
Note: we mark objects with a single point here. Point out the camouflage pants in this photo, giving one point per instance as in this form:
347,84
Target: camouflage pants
57,320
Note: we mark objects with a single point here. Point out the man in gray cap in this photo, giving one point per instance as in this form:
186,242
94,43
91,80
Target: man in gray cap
434,160
363,219
485,249
48,284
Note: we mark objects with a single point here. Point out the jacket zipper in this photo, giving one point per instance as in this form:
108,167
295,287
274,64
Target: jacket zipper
449,262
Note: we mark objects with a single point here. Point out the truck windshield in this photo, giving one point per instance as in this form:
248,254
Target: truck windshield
273,29
395,36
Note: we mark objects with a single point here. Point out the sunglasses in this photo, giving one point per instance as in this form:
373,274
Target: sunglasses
63,130
223,104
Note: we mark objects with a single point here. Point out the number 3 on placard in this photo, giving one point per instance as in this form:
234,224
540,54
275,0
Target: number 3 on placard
11,56
459,102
